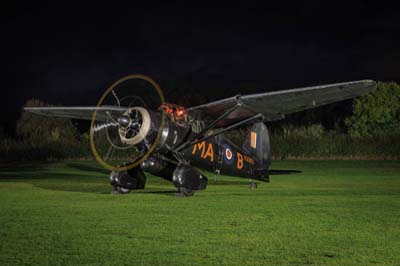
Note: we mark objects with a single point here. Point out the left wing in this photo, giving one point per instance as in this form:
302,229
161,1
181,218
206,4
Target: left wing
275,105
85,113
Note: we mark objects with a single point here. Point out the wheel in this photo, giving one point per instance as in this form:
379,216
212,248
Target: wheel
125,181
184,192
252,185
120,190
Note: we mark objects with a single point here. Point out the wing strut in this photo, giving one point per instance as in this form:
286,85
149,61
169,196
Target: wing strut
213,123
240,123
201,134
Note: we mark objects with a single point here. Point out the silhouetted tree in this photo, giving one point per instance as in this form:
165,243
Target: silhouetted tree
377,113
38,130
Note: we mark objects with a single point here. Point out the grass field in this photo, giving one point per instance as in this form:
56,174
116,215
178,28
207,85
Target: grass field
332,213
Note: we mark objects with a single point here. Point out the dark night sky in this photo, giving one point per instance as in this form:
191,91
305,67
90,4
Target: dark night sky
68,53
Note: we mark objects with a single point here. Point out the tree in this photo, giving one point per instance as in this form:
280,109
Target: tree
377,113
39,130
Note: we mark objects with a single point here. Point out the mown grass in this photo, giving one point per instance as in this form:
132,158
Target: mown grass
332,213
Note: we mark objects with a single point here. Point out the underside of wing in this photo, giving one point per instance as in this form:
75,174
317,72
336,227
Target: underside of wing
85,113
275,105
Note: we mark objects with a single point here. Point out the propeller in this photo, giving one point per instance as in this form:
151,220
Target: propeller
121,142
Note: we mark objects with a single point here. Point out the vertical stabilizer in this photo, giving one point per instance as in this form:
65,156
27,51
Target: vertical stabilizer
256,144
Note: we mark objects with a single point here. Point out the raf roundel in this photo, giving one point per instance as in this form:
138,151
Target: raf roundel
228,153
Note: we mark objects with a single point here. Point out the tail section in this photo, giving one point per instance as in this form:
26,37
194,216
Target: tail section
256,144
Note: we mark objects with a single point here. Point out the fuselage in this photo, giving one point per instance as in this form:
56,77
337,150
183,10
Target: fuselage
220,155
180,142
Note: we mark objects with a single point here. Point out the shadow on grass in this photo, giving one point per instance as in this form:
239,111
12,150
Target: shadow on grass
69,177
283,172
47,175
88,168
90,178
21,170
169,192
239,182
106,190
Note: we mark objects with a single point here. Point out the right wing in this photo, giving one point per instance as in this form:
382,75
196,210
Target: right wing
104,113
276,104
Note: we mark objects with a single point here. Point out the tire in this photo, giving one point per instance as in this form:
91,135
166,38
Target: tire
187,192
252,185
122,190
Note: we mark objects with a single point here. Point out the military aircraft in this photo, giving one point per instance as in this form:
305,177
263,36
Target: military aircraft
173,141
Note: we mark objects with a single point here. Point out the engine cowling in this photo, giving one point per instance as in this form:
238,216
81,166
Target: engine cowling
135,125
139,126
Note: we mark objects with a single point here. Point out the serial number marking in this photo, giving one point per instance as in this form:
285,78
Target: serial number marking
248,159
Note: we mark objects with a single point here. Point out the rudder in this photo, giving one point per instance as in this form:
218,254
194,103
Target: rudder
256,144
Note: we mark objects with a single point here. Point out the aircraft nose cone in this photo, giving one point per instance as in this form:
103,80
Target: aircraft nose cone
123,121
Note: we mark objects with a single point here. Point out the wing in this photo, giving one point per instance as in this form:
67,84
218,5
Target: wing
84,113
275,105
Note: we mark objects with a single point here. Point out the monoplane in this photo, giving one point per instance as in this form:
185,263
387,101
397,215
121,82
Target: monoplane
172,141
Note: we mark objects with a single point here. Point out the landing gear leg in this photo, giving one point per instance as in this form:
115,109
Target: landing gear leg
252,185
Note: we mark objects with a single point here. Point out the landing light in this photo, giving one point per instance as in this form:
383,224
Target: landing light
174,112
180,112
